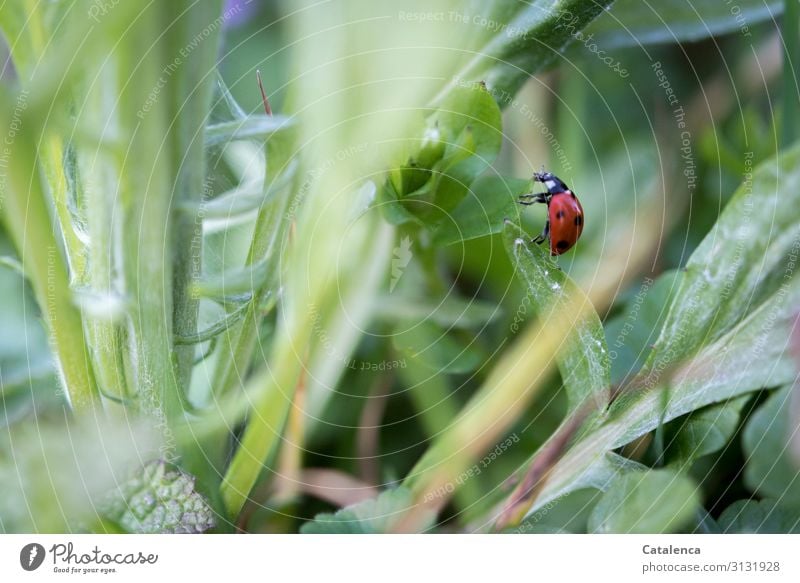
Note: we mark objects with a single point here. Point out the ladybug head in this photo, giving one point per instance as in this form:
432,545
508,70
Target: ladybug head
551,181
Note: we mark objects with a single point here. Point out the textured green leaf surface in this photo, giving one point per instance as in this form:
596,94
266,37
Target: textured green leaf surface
630,23
770,468
704,431
468,127
491,200
368,517
583,358
651,501
767,516
749,254
511,40
631,333
742,317
162,500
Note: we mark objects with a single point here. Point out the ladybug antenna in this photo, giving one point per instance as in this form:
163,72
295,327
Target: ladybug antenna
267,108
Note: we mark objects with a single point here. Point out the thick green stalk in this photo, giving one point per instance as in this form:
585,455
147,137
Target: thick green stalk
791,72
98,179
191,101
191,45
146,183
25,210
268,418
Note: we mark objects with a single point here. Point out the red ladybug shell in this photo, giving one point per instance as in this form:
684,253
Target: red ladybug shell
566,221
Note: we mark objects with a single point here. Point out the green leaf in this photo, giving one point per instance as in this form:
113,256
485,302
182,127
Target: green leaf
470,125
631,333
491,200
471,113
368,517
746,257
704,431
766,516
451,312
28,379
742,353
712,376
54,474
254,127
235,281
162,500
514,40
19,362
653,501
568,514
243,199
632,23
770,469
440,350
583,358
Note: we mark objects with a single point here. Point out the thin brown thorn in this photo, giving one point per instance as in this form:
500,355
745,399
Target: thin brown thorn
267,108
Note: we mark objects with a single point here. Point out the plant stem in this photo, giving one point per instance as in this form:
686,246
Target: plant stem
97,178
27,216
239,341
189,115
146,183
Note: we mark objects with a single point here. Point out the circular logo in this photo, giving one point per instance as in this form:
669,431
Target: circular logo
31,556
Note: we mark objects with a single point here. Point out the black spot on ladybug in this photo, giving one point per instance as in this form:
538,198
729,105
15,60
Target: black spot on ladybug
560,215
572,194
562,245
578,220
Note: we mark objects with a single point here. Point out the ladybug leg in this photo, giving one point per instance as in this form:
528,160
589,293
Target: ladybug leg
532,198
545,233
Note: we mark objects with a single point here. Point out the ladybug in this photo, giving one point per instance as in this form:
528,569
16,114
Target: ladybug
564,213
